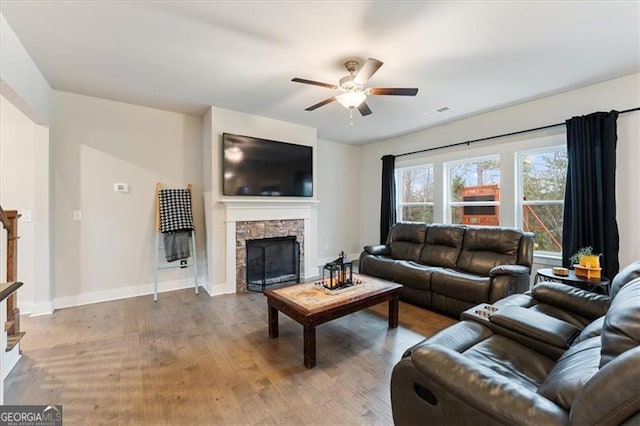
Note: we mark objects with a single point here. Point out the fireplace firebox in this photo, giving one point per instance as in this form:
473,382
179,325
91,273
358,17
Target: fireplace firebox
272,261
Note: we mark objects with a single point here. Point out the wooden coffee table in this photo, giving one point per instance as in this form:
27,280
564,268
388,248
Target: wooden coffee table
310,305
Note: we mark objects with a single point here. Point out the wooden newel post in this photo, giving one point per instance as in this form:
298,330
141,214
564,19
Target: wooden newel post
13,313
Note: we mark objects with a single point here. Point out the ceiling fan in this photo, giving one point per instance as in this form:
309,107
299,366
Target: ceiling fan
354,93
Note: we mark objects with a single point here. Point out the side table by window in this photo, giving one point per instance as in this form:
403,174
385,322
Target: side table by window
596,285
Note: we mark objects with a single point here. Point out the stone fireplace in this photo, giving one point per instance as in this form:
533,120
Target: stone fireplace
256,219
263,231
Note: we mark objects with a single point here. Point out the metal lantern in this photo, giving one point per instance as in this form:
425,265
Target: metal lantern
338,274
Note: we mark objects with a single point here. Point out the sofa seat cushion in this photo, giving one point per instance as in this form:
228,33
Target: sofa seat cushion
574,368
487,246
460,285
377,266
511,360
412,274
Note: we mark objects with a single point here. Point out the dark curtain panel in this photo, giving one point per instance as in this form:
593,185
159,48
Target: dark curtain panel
388,204
590,197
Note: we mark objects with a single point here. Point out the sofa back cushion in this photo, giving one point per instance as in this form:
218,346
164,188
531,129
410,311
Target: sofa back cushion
625,276
485,247
406,240
621,329
443,245
574,368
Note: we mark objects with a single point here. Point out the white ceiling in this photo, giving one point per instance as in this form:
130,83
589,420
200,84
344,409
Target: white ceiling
469,56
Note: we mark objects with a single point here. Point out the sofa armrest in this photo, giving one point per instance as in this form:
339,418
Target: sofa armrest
535,325
511,270
582,302
378,250
488,392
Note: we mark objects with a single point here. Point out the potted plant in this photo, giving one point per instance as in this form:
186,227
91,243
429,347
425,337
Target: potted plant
578,257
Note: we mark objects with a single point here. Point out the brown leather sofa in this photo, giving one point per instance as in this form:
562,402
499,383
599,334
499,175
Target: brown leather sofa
546,358
451,268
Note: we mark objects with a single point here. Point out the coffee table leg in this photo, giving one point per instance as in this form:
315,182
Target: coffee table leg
393,312
309,346
273,322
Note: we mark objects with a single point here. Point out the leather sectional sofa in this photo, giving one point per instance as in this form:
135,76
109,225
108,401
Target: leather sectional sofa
555,356
451,268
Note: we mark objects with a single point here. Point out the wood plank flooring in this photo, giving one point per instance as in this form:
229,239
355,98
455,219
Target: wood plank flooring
190,360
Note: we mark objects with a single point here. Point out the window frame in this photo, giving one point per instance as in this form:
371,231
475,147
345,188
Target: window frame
399,204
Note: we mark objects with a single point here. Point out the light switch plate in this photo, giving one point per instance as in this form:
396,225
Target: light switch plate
26,215
77,215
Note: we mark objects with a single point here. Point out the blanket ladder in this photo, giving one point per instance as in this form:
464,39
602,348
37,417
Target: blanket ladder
158,247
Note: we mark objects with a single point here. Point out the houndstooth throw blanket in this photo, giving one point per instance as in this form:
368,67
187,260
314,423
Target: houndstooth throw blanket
175,210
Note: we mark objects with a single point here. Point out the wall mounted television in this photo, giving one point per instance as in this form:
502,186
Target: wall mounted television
262,167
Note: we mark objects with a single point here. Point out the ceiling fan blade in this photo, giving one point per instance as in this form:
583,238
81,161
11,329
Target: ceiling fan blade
393,91
368,69
364,109
319,104
315,83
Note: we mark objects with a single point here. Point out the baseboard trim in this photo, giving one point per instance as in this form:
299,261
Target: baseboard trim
122,293
220,289
38,309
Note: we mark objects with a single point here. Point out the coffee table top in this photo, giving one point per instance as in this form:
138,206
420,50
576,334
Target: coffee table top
311,297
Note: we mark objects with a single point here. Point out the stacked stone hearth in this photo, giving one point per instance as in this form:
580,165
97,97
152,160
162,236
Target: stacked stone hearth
253,230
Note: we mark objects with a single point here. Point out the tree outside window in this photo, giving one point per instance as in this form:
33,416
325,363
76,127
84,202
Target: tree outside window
415,193
542,196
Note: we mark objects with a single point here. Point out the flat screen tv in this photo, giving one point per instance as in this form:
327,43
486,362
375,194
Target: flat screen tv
262,167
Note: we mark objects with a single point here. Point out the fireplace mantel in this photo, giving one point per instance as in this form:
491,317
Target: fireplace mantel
252,209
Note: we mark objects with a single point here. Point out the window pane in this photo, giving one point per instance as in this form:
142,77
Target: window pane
543,180
472,182
417,214
467,179
416,184
544,175
546,223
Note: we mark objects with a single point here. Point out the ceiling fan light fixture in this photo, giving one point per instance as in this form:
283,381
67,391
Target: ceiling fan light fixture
351,99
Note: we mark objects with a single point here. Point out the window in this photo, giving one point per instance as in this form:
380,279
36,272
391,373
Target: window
474,191
415,193
542,184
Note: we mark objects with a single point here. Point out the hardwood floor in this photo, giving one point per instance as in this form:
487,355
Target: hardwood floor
199,360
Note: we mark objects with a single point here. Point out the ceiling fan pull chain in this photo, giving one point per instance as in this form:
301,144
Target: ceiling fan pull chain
351,116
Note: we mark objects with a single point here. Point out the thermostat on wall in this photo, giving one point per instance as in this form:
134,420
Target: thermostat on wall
121,187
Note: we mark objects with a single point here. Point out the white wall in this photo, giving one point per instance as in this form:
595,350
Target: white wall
17,189
96,143
21,78
620,94
338,191
24,88
224,120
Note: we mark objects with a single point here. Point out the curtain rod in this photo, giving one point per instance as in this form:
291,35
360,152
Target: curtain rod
497,136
